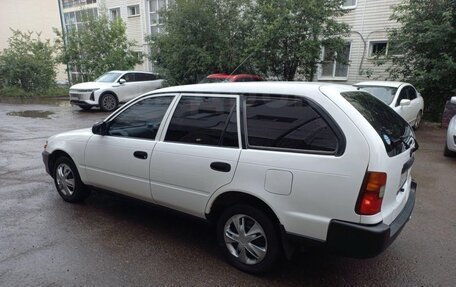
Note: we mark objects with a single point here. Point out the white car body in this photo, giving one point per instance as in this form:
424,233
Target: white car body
309,192
450,143
406,100
124,86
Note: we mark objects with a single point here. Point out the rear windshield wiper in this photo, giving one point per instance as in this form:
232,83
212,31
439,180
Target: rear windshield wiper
390,139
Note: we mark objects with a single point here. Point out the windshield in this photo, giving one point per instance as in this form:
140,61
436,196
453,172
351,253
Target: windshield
384,94
394,131
108,77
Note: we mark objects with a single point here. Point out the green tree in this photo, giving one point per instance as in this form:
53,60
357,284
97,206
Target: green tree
426,45
97,46
28,62
202,37
288,35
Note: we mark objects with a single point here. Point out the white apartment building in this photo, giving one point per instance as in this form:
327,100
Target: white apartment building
368,20
27,15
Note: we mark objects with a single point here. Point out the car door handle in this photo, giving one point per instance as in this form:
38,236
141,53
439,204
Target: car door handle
221,166
140,154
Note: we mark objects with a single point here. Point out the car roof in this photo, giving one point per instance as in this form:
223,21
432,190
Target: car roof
282,88
381,84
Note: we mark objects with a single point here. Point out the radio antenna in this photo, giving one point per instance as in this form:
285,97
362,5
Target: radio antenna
242,63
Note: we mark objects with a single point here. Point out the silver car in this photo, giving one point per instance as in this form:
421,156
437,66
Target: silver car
113,88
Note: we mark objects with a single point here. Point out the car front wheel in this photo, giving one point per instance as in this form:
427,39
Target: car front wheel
108,102
248,238
68,182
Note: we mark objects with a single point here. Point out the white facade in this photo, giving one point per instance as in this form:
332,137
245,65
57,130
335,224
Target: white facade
27,15
369,21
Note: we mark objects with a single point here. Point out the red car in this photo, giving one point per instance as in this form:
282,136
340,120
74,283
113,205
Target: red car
217,78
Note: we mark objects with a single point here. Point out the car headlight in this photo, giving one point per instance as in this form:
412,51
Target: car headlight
84,90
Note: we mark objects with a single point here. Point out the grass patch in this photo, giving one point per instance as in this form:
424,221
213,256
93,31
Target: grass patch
56,91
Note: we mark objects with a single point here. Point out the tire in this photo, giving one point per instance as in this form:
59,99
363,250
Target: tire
447,152
418,119
108,102
68,182
238,249
85,108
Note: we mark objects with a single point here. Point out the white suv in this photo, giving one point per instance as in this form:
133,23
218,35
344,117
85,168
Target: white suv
113,88
272,164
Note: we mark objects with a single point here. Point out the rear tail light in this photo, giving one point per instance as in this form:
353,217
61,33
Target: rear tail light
371,195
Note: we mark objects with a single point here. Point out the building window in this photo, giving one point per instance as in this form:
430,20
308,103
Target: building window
73,3
114,13
133,10
378,49
333,69
76,19
349,4
156,22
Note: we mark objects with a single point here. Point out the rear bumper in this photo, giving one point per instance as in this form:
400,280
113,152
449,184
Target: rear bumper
365,241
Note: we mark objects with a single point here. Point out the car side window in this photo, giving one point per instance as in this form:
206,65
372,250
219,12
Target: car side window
129,77
411,93
204,120
402,95
142,119
150,77
285,122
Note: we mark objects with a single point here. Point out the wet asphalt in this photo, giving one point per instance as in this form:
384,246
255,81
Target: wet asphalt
113,241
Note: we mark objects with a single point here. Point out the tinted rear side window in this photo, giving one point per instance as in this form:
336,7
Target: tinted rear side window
391,127
285,122
205,121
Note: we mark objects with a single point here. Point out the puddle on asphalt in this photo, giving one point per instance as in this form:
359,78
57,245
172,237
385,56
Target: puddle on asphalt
32,114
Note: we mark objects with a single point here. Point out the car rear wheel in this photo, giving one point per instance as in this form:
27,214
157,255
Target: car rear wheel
68,182
108,102
248,238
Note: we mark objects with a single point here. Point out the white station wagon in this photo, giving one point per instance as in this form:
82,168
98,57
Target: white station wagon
113,88
272,164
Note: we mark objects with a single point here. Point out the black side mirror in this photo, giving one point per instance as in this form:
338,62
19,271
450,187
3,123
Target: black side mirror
100,128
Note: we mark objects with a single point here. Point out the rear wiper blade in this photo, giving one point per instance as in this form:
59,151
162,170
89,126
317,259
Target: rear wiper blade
394,140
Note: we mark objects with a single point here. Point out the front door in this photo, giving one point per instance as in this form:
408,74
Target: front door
119,161
198,154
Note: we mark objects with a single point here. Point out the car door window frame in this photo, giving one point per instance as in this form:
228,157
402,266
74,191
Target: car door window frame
341,140
216,95
158,135
402,90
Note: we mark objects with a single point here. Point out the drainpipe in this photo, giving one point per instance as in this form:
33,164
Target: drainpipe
64,37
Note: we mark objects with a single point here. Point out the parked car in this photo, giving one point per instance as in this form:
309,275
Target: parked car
217,78
113,88
272,164
402,97
450,143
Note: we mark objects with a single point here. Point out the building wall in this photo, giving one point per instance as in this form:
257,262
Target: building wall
30,15
369,21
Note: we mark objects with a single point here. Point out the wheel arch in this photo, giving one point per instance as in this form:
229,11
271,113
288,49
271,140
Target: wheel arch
229,198
109,92
55,155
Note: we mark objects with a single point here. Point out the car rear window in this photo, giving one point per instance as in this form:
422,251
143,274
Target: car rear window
394,131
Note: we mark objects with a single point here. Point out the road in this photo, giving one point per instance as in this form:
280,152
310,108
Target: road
113,241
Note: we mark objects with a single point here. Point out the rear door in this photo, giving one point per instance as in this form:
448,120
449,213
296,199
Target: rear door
198,153
393,152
